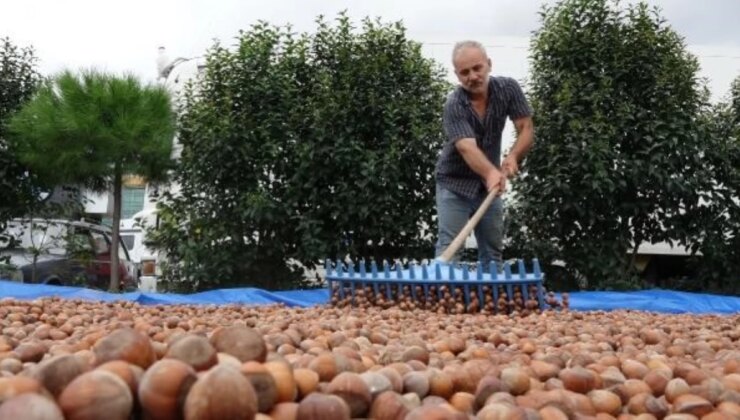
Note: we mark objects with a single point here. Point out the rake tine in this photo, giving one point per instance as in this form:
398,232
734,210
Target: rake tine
508,277
523,277
479,277
494,270
351,273
425,277
412,276
387,275
340,271
538,276
522,270
328,269
466,286
374,274
363,273
340,268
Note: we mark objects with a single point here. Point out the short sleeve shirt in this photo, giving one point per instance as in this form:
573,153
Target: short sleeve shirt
505,99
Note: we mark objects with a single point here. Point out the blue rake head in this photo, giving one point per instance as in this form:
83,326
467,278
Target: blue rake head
444,287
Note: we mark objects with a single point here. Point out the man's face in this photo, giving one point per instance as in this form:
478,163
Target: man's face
472,68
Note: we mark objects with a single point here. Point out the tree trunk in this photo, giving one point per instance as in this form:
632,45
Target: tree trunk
33,268
114,263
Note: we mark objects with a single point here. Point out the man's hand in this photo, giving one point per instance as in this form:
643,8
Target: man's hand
494,179
510,166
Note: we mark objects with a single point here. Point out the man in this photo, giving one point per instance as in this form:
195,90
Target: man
470,163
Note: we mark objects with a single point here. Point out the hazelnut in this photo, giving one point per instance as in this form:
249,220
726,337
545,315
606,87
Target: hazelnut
263,383
435,412
675,388
544,370
657,381
551,412
30,407
164,387
30,352
395,373
17,385
318,406
284,411
463,402
692,404
222,392
488,386
241,342
633,369
605,401
58,371
376,382
416,353
325,365
501,410
353,390
516,380
578,379
131,374
440,384
732,381
389,405
125,344
416,382
282,373
194,350
96,394
306,380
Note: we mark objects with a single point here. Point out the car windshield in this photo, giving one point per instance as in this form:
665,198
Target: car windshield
45,237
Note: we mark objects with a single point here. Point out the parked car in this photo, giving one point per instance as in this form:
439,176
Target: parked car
62,252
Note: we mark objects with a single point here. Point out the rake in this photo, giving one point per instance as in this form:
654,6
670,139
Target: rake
441,285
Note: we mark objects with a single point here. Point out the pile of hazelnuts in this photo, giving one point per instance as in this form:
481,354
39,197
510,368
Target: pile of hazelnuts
448,298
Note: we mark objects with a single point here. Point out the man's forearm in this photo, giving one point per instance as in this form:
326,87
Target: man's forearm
474,157
524,139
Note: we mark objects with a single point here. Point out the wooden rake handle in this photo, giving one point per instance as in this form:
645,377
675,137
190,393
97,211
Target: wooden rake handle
448,253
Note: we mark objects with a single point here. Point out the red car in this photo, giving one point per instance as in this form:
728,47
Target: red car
62,252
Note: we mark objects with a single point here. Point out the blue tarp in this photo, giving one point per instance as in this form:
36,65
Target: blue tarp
654,300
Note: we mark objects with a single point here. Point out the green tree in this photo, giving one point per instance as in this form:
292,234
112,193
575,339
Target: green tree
301,147
91,129
717,223
18,80
618,155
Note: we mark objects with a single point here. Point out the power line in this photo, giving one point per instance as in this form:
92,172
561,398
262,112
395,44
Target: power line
734,57
487,46
519,47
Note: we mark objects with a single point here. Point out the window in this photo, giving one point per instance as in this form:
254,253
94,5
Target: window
42,236
132,201
128,240
102,246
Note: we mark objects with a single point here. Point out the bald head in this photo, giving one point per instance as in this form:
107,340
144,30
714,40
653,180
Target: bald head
463,45
472,66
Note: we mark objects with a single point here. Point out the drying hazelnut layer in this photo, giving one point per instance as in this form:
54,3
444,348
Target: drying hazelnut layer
74,359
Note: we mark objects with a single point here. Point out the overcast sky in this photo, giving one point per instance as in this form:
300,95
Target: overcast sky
124,36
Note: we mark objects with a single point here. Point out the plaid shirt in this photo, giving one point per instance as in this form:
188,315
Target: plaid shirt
505,99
